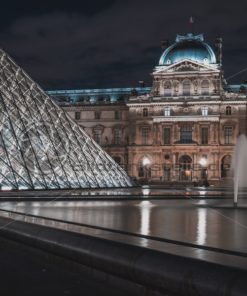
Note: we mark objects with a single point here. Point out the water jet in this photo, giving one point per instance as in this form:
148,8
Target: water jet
239,166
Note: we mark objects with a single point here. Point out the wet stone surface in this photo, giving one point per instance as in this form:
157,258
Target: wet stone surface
203,222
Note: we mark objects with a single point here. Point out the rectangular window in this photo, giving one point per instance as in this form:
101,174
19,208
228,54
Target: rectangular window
117,136
145,112
77,115
186,88
167,136
204,111
118,114
167,111
186,135
228,135
97,136
204,135
145,134
97,114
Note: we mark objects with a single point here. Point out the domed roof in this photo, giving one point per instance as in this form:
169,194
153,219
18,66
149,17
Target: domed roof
188,47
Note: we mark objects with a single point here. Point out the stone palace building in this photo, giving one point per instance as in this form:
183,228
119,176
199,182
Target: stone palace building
182,129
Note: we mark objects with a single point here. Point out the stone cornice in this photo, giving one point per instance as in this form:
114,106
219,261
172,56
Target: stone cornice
189,118
202,67
185,102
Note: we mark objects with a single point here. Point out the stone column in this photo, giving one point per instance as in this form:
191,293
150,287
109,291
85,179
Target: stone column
155,133
215,132
217,165
133,128
175,132
195,132
174,161
159,134
219,131
195,167
214,164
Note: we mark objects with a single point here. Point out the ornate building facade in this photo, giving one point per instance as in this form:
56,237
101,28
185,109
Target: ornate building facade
182,129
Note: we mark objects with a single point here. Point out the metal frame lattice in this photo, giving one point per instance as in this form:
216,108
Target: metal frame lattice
41,147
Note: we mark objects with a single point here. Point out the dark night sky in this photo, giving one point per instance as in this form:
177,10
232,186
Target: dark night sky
111,43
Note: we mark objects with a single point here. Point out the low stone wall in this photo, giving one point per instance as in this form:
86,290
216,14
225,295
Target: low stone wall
159,272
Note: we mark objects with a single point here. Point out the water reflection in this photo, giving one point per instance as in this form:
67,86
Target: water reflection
201,227
116,192
181,220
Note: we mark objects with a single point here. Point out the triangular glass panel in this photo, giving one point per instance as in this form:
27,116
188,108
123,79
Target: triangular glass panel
41,147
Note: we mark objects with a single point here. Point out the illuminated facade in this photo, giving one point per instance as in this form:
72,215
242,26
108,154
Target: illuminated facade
41,147
182,129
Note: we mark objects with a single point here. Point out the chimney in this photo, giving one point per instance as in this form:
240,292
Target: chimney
218,45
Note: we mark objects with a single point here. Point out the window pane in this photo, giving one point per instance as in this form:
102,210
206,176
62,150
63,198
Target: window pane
186,88
167,136
186,135
118,114
145,112
117,136
145,133
228,135
204,111
77,115
204,135
228,110
205,87
167,111
97,114
167,89
97,136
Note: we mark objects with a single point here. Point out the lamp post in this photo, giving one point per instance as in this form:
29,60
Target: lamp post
146,162
203,162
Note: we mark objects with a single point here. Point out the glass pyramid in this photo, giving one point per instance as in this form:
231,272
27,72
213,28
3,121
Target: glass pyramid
41,147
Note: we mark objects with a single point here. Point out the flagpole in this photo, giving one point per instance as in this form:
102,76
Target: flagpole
191,22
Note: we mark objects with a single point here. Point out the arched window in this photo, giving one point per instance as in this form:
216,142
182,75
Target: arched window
144,168
185,168
205,87
225,166
228,110
145,112
167,89
186,87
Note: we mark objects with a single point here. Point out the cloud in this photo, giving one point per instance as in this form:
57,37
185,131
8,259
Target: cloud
120,44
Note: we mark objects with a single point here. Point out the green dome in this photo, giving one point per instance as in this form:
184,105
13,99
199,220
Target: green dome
188,47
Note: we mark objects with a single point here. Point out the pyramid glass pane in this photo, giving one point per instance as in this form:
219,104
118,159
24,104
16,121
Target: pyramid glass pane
41,147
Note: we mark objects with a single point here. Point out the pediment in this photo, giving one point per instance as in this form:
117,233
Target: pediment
186,66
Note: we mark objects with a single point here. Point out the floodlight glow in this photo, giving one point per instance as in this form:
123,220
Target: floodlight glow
203,161
145,191
6,188
146,161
